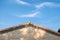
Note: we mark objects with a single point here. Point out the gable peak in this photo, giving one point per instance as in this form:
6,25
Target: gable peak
29,23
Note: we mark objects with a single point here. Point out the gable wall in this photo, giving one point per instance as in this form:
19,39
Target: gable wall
28,33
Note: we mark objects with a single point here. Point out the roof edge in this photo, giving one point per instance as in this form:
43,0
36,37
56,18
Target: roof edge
29,24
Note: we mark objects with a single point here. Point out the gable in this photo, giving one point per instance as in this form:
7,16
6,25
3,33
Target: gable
28,33
31,25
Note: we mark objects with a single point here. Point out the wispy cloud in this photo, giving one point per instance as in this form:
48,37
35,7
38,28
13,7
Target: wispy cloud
22,2
49,4
29,15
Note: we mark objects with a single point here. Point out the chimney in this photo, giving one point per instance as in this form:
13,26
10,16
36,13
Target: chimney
58,30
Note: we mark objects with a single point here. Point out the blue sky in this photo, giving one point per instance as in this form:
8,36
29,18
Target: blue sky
41,12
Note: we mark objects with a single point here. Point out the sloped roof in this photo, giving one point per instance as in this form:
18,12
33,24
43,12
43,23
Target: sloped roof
26,25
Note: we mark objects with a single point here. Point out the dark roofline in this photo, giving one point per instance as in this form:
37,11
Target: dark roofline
28,24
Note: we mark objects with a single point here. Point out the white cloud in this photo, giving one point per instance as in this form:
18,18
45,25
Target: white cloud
22,2
49,4
29,15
